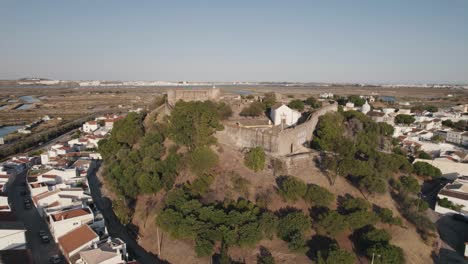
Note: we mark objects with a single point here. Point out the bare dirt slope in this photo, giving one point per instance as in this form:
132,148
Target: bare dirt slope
263,184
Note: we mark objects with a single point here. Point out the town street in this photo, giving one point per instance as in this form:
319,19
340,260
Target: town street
33,222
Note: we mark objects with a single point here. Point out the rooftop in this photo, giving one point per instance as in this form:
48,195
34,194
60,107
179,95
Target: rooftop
71,214
22,256
76,238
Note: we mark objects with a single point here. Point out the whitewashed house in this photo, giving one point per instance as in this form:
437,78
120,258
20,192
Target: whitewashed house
282,114
90,126
77,240
456,193
66,221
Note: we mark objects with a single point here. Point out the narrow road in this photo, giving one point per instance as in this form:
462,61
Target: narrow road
114,227
33,222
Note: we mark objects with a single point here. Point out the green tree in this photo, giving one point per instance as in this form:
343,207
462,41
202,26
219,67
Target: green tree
255,159
297,104
424,155
268,224
129,129
313,102
335,255
291,228
410,184
386,254
358,101
269,100
404,119
425,169
224,111
318,196
194,123
254,109
332,223
291,188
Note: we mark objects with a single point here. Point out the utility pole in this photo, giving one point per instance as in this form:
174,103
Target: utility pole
159,243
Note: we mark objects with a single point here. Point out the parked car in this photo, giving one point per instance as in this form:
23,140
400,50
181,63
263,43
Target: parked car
42,233
55,259
45,239
27,206
460,217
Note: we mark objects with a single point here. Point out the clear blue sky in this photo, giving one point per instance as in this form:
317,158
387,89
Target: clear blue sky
325,41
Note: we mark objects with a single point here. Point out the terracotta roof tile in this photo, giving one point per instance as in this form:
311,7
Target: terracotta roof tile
76,238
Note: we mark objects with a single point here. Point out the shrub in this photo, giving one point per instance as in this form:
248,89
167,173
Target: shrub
444,202
291,228
291,188
255,159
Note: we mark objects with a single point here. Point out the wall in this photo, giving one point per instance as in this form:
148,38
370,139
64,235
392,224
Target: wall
283,142
188,95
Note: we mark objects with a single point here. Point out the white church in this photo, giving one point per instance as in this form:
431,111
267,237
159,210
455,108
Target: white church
282,114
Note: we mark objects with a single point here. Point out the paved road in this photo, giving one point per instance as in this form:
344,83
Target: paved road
33,222
114,227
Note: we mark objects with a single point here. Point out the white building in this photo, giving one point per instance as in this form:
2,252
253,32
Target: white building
457,193
12,235
66,221
282,114
90,126
365,108
76,240
454,137
326,95
110,251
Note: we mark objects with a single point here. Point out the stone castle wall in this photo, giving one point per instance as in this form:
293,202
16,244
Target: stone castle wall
188,95
282,143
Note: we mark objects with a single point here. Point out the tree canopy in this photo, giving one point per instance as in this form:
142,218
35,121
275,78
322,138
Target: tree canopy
193,123
404,119
297,104
425,169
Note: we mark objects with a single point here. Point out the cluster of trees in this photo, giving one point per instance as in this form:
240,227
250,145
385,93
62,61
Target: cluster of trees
406,191
425,169
239,223
404,119
429,108
297,104
313,102
254,109
138,162
461,125
134,161
193,123
255,159
23,144
351,142
259,107
352,213
292,189
375,243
